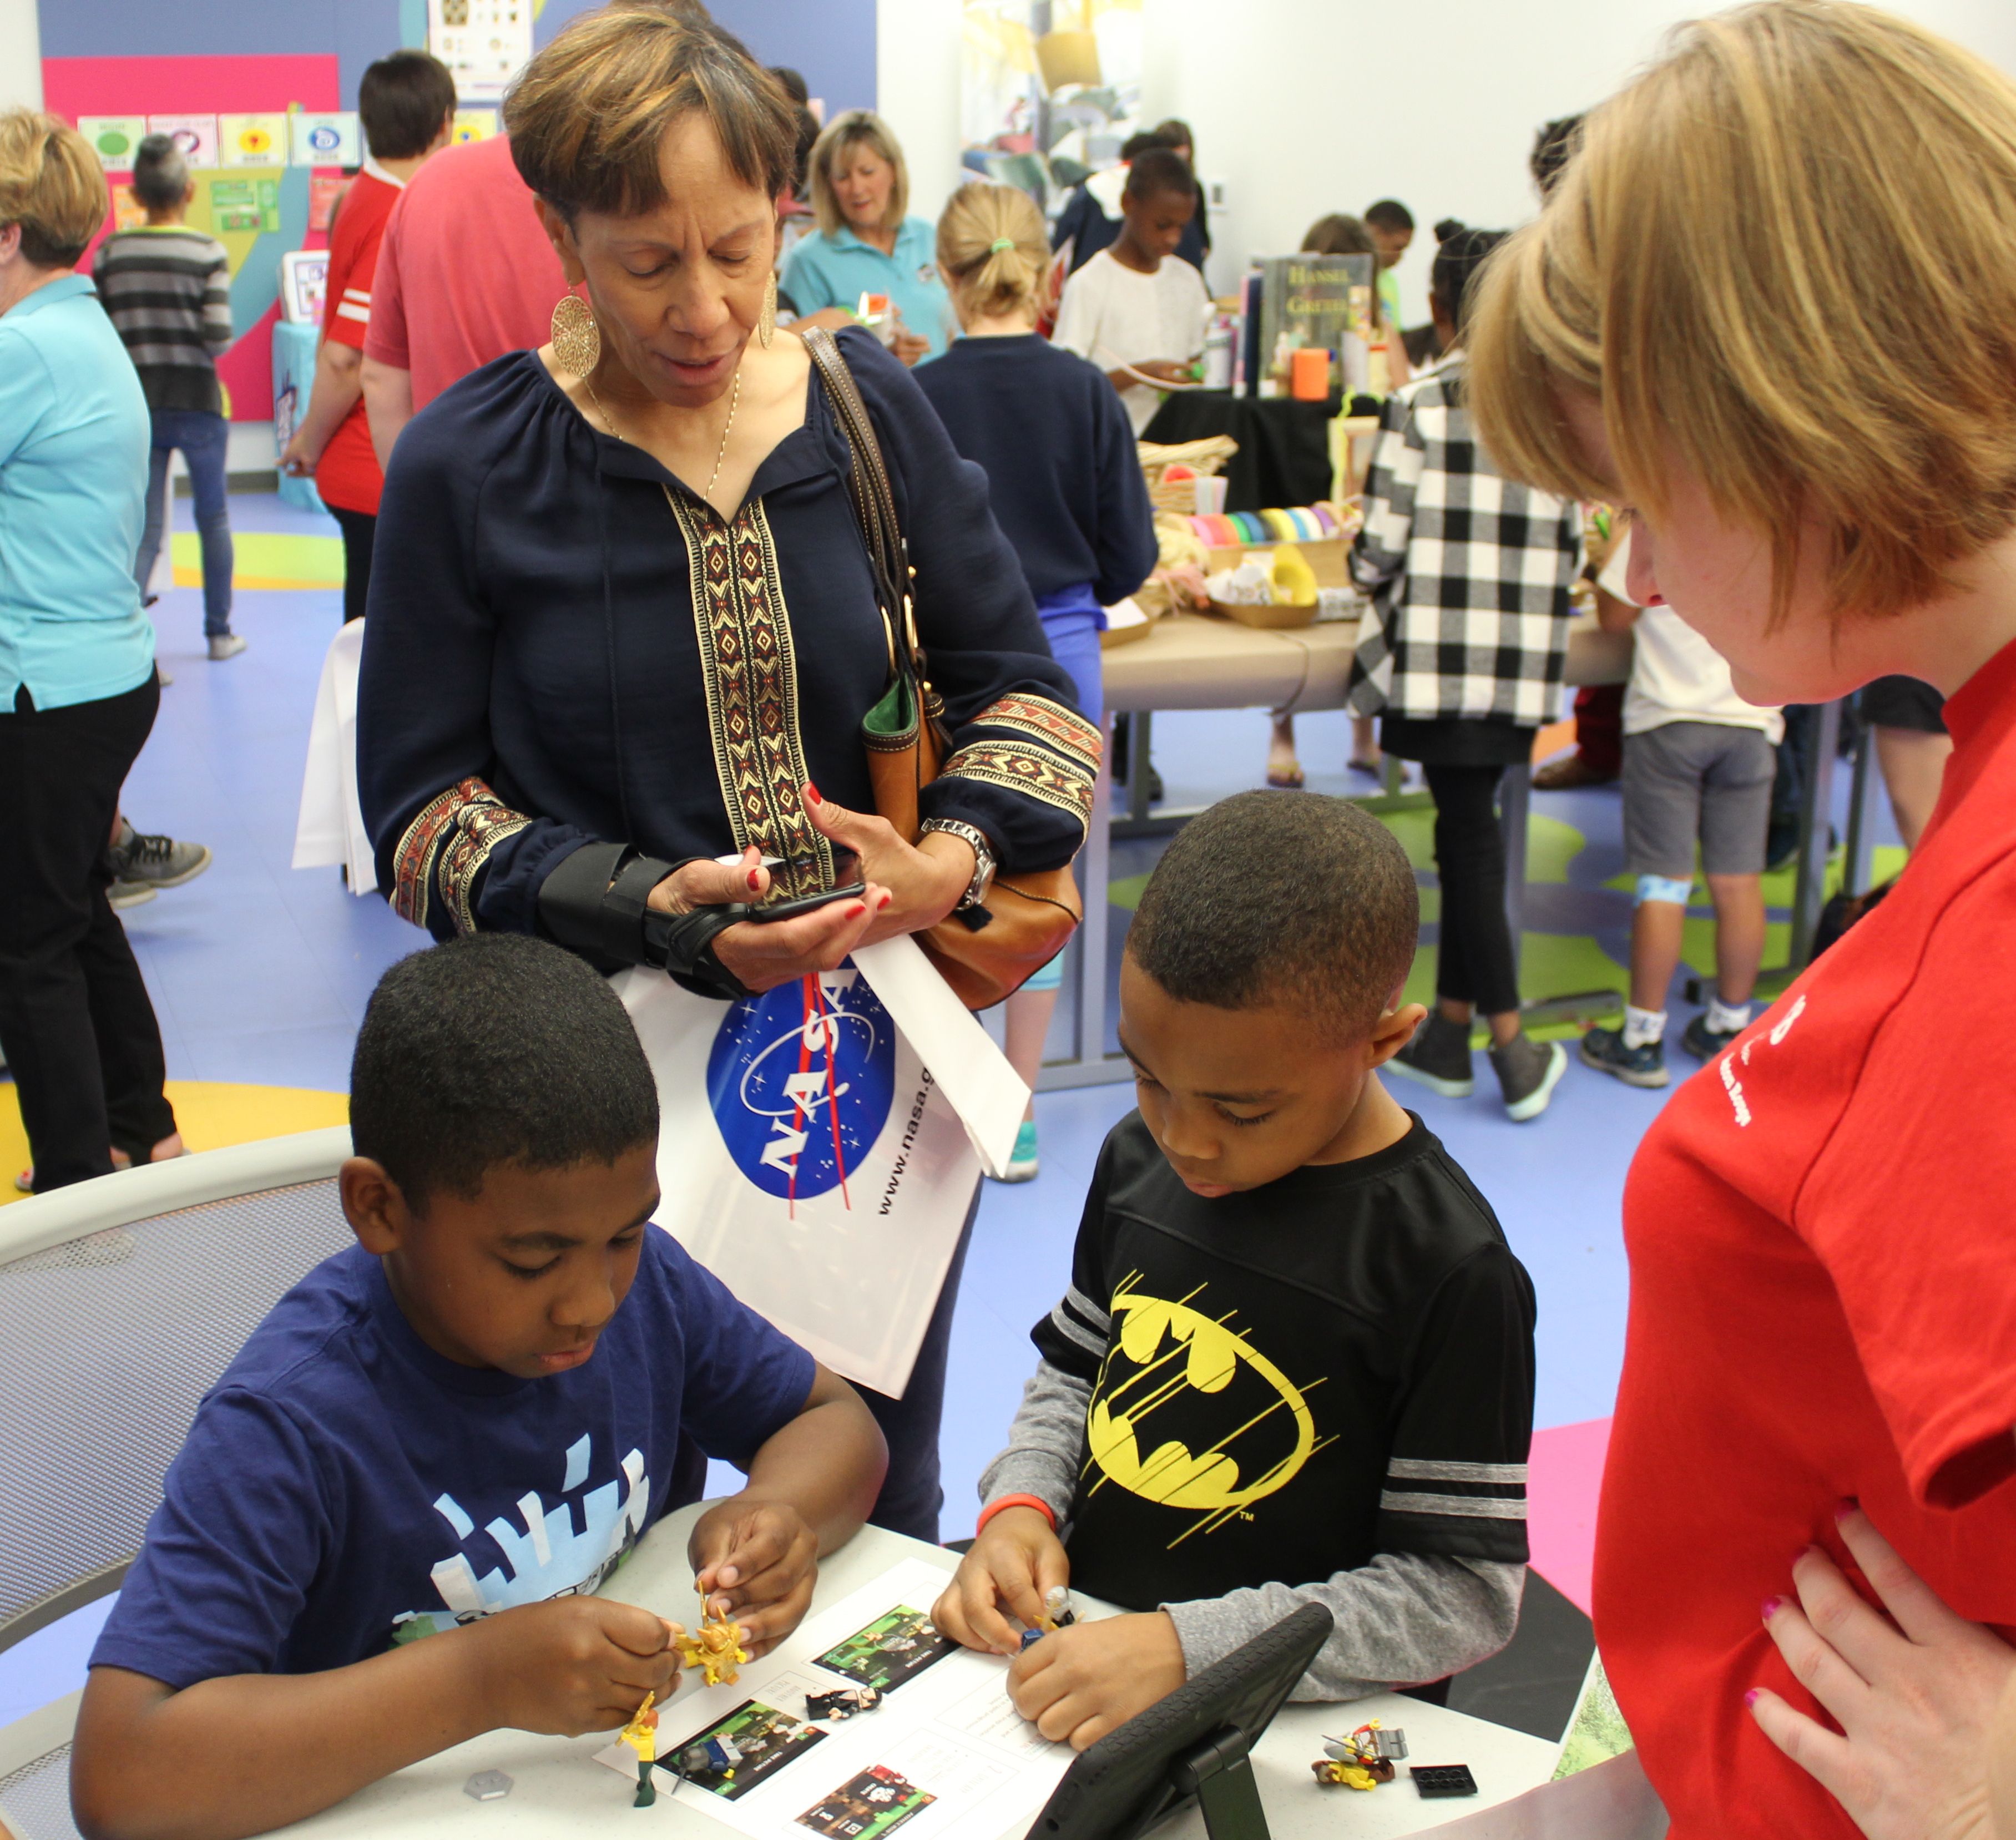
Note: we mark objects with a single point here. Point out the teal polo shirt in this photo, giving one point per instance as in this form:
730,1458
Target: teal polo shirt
74,434
835,271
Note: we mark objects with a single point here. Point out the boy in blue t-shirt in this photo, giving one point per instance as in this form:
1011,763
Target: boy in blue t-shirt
456,1430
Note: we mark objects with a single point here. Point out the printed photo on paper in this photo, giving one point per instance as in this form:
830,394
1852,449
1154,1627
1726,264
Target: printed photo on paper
734,1754
872,1803
897,1646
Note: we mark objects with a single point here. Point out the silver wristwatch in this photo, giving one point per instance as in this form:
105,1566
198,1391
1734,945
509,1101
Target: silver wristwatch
983,864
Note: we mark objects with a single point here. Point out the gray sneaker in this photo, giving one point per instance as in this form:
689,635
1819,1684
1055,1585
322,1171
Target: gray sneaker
1438,1058
124,894
153,861
1528,1072
225,645
1604,1048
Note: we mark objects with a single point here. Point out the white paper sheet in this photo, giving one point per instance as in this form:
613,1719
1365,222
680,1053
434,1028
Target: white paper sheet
945,1740
330,828
984,1090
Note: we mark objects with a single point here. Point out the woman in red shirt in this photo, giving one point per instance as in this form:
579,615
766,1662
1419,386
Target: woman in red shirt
1772,305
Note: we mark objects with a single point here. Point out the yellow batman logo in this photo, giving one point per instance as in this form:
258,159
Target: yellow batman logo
1206,1356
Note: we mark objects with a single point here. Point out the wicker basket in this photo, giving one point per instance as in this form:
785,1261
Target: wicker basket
1203,458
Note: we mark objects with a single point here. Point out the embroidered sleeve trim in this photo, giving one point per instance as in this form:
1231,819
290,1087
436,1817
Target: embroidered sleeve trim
446,848
749,673
1042,720
1033,771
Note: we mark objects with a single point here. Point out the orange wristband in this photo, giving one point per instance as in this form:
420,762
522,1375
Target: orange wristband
1013,1501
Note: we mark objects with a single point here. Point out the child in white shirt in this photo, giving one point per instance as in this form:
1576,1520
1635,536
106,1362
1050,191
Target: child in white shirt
1698,763
1131,310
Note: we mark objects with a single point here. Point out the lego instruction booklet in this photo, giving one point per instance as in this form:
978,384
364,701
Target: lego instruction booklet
943,1754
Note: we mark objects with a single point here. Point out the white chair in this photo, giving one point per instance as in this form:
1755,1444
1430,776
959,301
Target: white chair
121,1302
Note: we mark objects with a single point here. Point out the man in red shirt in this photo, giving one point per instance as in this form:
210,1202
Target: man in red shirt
407,103
465,274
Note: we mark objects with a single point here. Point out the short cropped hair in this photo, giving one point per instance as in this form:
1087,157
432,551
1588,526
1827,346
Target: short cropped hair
587,116
1285,897
1391,215
52,185
857,127
494,1049
161,173
993,249
402,99
1719,265
1158,170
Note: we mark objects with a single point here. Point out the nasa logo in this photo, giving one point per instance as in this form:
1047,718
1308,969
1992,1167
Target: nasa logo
800,1081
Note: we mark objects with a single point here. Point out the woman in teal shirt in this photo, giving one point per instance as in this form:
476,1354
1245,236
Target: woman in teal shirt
865,243
77,688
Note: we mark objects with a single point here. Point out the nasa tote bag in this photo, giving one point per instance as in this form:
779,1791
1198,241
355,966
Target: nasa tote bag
819,1145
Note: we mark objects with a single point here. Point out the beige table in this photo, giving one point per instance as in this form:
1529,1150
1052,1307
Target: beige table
1199,661
559,1791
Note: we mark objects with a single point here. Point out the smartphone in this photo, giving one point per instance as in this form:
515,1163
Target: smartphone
784,910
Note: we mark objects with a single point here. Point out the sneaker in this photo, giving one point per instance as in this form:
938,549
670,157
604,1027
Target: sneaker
1571,775
124,894
1022,1164
1528,1073
156,861
225,645
1702,1043
1604,1049
1438,1058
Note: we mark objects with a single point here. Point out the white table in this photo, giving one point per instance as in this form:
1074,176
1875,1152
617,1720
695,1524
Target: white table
558,1791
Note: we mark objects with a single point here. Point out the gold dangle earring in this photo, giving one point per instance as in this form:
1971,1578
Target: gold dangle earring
766,321
577,340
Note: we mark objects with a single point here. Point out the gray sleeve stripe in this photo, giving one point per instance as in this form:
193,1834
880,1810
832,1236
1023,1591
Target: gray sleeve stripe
1094,1314
1414,1469
1460,1507
1076,1334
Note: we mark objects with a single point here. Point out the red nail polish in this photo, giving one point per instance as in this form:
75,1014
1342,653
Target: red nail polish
1752,1697
1772,1607
859,908
1846,1506
812,794
886,900
755,878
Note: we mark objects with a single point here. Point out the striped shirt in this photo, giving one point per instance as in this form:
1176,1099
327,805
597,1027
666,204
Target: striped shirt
168,290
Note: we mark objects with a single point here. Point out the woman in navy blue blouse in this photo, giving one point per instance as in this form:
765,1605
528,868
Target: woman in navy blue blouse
623,622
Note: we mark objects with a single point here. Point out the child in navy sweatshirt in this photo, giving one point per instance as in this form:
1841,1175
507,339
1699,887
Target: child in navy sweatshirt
1065,482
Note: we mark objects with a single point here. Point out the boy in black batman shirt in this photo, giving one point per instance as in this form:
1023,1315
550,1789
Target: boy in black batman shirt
1296,1358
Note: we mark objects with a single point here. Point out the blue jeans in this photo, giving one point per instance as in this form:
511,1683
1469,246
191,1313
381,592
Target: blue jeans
202,437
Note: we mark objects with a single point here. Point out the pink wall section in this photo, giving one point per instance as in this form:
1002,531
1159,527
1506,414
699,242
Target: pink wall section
74,86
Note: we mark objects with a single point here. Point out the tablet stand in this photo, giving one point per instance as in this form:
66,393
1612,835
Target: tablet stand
1219,1773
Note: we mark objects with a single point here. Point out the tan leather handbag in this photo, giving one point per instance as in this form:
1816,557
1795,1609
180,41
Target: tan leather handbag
984,953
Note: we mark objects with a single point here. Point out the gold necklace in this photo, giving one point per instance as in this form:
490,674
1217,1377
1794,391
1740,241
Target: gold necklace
728,428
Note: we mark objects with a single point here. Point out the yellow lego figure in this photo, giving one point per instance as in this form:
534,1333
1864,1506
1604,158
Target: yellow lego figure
641,1734
716,1651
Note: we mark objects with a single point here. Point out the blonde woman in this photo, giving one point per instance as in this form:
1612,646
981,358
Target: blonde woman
78,691
1062,476
866,243
1704,325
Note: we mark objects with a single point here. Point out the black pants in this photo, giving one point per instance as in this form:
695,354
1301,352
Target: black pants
75,1021
913,1492
360,532
1475,964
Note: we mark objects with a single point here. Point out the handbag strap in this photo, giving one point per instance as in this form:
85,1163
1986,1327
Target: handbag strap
874,502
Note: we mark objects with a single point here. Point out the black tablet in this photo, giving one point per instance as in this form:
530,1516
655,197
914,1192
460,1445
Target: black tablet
1190,1747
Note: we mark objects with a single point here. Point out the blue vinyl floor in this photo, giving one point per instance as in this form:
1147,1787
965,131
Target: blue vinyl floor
260,973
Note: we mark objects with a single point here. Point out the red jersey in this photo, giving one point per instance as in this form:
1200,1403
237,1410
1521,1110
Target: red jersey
1824,1305
466,274
347,475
